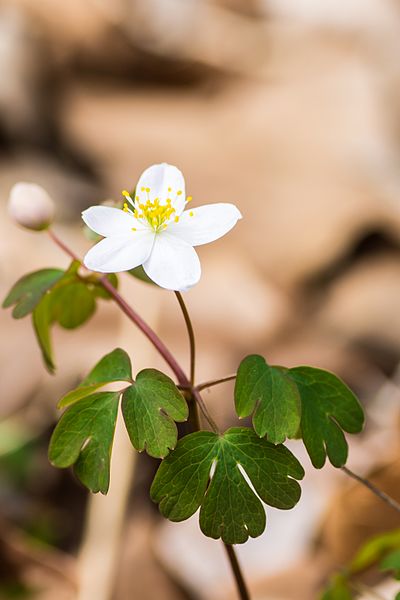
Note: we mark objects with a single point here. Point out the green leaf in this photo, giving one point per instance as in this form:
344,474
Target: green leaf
270,396
328,407
84,438
338,589
229,507
150,406
30,289
115,366
392,563
72,304
374,549
41,320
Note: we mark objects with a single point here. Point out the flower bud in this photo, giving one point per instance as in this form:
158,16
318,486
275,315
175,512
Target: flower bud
30,206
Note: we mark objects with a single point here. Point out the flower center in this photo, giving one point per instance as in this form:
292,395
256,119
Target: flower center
157,215
154,213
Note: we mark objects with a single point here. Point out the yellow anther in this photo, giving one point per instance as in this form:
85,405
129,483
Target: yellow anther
126,194
189,199
179,193
147,189
134,229
170,189
176,219
191,214
143,189
125,209
137,198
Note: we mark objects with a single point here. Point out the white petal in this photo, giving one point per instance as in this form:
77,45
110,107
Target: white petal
173,264
159,178
120,253
107,221
207,224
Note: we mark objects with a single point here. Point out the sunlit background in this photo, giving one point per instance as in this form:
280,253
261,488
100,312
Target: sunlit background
287,108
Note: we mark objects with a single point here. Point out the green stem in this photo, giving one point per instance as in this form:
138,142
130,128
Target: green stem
195,393
212,382
190,330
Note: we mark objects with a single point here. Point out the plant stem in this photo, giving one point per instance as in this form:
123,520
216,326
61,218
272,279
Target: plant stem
212,382
146,329
240,582
195,393
133,316
382,495
190,331
61,244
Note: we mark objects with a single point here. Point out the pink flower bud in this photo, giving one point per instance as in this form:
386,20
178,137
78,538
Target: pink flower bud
30,206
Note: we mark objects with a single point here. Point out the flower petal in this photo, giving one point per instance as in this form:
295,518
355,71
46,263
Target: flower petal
120,253
107,221
173,264
205,223
159,178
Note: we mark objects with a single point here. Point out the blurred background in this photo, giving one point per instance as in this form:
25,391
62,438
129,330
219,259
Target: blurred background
291,110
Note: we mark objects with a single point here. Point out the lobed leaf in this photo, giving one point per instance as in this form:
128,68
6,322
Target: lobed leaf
84,437
270,396
27,292
115,366
328,407
229,507
150,407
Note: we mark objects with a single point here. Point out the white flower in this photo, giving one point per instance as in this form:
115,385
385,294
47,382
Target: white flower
30,206
154,230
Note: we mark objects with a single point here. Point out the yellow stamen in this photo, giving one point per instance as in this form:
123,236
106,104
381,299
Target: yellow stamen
126,193
191,214
189,199
176,219
179,193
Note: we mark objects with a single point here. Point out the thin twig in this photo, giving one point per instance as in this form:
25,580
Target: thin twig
382,495
190,331
212,382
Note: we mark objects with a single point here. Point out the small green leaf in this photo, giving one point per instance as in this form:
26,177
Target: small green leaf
115,366
328,406
270,396
392,563
338,589
150,406
84,438
229,507
41,320
374,550
72,304
30,289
